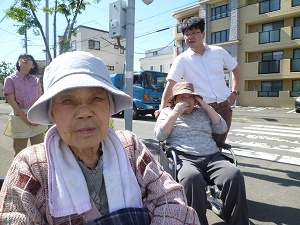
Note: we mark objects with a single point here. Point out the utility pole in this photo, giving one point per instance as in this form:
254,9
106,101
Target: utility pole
47,33
130,16
26,46
116,31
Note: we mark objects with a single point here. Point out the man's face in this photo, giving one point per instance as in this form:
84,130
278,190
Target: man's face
193,38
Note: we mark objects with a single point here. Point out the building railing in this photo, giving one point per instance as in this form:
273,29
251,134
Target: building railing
294,93
269,36
268,93
266,67
295,3
295,65
296,32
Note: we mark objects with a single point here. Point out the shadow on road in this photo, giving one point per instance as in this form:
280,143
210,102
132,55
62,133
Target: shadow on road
271,213
284,182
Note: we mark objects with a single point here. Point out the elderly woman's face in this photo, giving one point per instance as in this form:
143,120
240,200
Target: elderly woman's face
82,117
189,99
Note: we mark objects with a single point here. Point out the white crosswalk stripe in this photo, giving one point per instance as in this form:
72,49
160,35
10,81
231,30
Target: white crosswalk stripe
256,109
271,143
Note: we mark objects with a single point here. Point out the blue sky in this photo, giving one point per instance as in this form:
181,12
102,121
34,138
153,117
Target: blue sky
148,20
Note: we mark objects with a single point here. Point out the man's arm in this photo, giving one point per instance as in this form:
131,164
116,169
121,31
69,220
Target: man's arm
236,76
166,94
235,86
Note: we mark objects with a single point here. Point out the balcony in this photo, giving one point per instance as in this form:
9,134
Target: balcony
269,67
295,65
251,70
251,12
252,40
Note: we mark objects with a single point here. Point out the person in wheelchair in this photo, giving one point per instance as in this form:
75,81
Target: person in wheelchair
187,125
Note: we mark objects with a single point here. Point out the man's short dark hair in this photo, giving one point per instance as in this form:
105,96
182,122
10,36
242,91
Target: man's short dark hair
193,23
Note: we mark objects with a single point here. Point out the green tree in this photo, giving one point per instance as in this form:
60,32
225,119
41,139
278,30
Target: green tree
6,69
27,11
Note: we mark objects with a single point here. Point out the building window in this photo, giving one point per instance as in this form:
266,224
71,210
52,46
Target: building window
296,28
73,45
271,32
295,61
94,44
179,25
220,36
155,53
295,2
270,62
179,28
220,12
270,88
295,88
269,6
110,68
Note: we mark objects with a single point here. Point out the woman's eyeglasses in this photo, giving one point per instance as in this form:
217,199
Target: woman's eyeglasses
25,58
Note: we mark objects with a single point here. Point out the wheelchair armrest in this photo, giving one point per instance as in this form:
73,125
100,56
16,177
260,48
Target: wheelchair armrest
167,158
225,146
166,148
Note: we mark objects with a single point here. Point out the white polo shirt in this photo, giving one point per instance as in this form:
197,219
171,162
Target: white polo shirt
205,72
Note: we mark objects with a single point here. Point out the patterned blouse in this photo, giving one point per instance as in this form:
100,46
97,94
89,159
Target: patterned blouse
27,89
24,195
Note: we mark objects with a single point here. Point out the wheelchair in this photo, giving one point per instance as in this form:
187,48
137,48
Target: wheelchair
167,159
1,182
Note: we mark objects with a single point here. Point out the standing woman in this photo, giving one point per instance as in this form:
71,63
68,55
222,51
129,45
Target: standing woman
22,89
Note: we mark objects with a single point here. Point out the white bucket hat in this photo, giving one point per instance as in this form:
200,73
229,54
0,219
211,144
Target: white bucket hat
74,70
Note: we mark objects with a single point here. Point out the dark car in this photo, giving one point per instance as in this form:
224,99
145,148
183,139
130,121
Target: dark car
297,105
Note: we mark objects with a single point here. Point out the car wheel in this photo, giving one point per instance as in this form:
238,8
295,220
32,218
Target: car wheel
135,113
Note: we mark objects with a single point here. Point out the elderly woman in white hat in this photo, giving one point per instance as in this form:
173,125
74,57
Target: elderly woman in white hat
187,125
85,171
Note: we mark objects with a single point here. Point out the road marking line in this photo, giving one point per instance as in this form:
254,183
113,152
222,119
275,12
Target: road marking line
256,110
266,156
264,146
271,129
292,111
277,127
267,133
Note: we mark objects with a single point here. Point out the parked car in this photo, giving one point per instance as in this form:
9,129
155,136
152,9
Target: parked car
297,105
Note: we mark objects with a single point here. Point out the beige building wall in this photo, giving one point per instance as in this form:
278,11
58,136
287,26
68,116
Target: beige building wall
107,49
159,59
160,63
245,24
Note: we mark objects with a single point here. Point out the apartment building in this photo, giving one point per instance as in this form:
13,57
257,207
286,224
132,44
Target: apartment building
159,59
99,43
263,36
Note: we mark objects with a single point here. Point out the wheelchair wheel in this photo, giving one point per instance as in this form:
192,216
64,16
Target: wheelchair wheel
213,198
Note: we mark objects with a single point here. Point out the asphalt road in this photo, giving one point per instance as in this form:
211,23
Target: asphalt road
273,185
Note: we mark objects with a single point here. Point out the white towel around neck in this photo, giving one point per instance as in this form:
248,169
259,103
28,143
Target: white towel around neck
67,188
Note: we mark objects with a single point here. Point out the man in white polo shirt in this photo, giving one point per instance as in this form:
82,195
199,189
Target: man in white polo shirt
203,65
